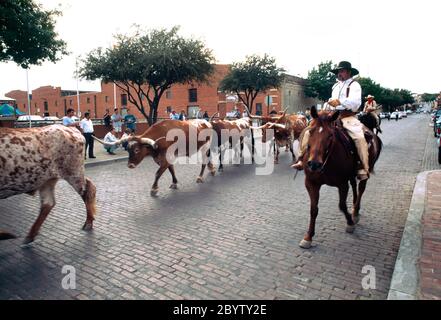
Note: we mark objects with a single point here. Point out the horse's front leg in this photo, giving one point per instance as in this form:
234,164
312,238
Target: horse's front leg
356,209
314,194
343,196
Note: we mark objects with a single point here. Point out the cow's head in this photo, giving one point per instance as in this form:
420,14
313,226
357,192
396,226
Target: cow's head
139,148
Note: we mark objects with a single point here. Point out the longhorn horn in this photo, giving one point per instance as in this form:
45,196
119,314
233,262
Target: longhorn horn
151,142
117,142
249,113
212,117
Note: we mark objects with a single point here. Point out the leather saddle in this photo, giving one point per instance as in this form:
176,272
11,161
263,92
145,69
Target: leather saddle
347,141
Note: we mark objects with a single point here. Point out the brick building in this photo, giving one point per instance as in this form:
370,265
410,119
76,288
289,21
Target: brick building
189,97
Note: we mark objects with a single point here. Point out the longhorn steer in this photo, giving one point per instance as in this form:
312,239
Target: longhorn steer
34,159
231,133
153,143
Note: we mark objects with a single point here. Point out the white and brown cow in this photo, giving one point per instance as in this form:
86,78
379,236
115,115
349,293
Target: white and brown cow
153,142
34,159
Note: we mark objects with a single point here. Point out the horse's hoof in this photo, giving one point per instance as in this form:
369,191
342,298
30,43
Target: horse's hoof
305,244
350,229
213,173
174,186
88,226
154,192
199,180
356,219
27,240
220,169
276,161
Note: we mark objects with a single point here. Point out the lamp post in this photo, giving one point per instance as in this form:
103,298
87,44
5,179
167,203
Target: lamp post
78,92
29,99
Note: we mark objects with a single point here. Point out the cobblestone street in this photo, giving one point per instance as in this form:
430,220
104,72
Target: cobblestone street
233,237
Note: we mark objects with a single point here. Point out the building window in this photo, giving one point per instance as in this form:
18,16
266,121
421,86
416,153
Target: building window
123,100
56,103
169,109
258,109
88,100
46,107
70,102
106,99
168,94
193,95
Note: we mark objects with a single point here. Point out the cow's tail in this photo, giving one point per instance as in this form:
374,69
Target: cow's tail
6,235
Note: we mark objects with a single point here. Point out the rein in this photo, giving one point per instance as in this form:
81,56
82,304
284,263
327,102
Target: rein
331,148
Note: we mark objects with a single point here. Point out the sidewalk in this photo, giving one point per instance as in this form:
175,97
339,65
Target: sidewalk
417,273
102,157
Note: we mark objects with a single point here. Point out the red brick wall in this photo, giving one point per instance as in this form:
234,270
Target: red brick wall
208,99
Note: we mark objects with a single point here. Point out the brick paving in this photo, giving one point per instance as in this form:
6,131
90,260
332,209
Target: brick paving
234,237
430,261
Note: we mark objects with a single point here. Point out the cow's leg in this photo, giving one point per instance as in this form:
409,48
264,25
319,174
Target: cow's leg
356,209
174,184
87,190
221,154
47,202
162,168
314,195
205,149
292,153
343,196
252,146
276,153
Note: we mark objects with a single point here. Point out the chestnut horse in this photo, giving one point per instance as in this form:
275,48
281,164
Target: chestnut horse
329,160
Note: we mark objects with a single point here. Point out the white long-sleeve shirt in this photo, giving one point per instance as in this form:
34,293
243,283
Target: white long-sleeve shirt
351,102
110,137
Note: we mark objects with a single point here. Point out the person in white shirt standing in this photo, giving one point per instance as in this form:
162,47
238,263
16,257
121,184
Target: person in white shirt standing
87,128
346,97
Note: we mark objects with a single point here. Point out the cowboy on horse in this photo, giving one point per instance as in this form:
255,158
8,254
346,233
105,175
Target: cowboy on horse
370,108
346,98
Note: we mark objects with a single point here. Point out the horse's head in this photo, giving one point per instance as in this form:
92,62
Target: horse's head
321,137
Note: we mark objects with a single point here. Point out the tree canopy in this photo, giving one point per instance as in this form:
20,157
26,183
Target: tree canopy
320,81
247,79
427,97
27,34
148,63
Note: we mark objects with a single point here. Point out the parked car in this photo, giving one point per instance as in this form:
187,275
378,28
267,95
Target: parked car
33,118
52,118
403,114
439,150
393,115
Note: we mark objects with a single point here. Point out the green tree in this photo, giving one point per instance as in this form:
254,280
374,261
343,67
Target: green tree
27,34
249,78
427,97
320,81
147,64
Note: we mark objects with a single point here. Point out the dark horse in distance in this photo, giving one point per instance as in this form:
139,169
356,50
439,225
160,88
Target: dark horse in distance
370,122
331,159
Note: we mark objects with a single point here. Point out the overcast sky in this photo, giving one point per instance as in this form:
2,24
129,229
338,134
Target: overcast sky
393,42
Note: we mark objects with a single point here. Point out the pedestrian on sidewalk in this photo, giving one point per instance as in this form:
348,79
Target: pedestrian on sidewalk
117,122
127,133
86,126
110,137
130,121
107,118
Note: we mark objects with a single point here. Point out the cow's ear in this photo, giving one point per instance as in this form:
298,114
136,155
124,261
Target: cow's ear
314,113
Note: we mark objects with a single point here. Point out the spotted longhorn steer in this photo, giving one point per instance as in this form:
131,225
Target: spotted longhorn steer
153,143
34,159
235,131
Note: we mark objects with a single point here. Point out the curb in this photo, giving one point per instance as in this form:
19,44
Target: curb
405,279
103,162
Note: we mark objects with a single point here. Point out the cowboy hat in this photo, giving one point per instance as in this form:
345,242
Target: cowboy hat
345,65
370,97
